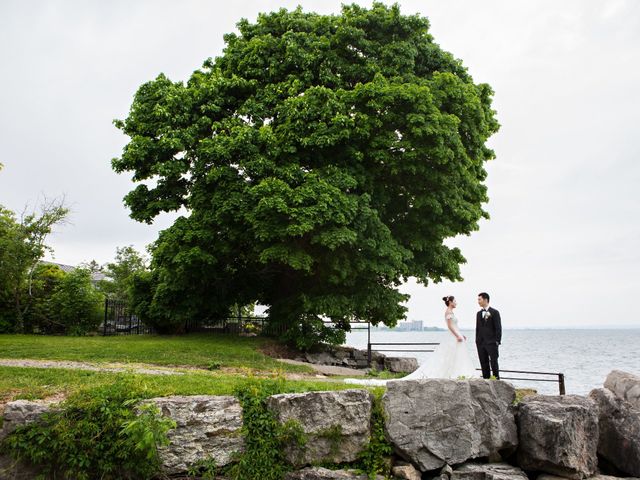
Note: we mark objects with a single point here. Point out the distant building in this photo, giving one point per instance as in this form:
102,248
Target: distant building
410,326
95,276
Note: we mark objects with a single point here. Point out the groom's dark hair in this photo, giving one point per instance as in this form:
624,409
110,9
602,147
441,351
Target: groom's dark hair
484,295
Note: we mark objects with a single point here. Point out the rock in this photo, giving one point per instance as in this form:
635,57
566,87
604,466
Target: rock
401,364
336,424
319,473
342,353
490,471
377,356
619,440
321,358
446,470
406,472
360,355
349,362
208,427
22,412
625,385
558,435
17,414
362,363
436,421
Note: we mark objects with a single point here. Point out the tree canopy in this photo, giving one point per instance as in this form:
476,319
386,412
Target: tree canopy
121,272
321,159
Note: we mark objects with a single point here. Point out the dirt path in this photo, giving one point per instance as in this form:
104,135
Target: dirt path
328,369
321,370
96,367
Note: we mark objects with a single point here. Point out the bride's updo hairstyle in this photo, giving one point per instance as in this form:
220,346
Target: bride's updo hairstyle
448,300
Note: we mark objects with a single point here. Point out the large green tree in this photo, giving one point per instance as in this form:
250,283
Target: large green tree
322,160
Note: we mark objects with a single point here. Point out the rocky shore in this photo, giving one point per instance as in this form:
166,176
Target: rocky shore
342,356
439,429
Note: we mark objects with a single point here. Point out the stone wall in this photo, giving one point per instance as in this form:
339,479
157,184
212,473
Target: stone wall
444,429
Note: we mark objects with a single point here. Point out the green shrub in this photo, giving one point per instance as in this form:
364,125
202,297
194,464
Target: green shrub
214,365
374,458
206,469
96,434
263,457
75,304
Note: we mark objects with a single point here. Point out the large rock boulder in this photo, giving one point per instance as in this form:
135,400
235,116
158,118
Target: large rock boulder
558,435
17,414
625,385
208,427
335,425
401,364
619,430
320,473
433,422
22,412
490,471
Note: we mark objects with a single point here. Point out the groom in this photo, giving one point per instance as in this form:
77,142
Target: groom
488,336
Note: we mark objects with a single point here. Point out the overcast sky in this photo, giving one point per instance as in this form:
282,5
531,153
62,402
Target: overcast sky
561,248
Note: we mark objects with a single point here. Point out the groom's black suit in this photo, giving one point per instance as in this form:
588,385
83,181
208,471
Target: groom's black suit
488,337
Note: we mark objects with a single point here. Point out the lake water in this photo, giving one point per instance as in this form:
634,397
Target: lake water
584,356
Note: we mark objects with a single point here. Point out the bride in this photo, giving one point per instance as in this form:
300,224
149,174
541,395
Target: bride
450,359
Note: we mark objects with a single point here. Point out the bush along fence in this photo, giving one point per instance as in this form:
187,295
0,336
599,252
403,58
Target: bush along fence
264,432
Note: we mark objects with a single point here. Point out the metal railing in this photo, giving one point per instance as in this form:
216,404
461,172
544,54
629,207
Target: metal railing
559,376
369,349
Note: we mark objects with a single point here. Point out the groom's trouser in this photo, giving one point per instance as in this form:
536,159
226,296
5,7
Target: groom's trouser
488,354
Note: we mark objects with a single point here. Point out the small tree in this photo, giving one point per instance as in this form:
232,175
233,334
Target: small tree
22,246
75,304
120,273
47,279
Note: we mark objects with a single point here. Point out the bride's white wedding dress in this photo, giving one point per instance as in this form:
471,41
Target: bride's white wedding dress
450,359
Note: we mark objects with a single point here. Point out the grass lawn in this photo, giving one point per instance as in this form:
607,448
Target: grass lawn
241,354
186,350
33,383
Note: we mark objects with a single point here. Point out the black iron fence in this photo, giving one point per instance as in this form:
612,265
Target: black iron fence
239,325
119,320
